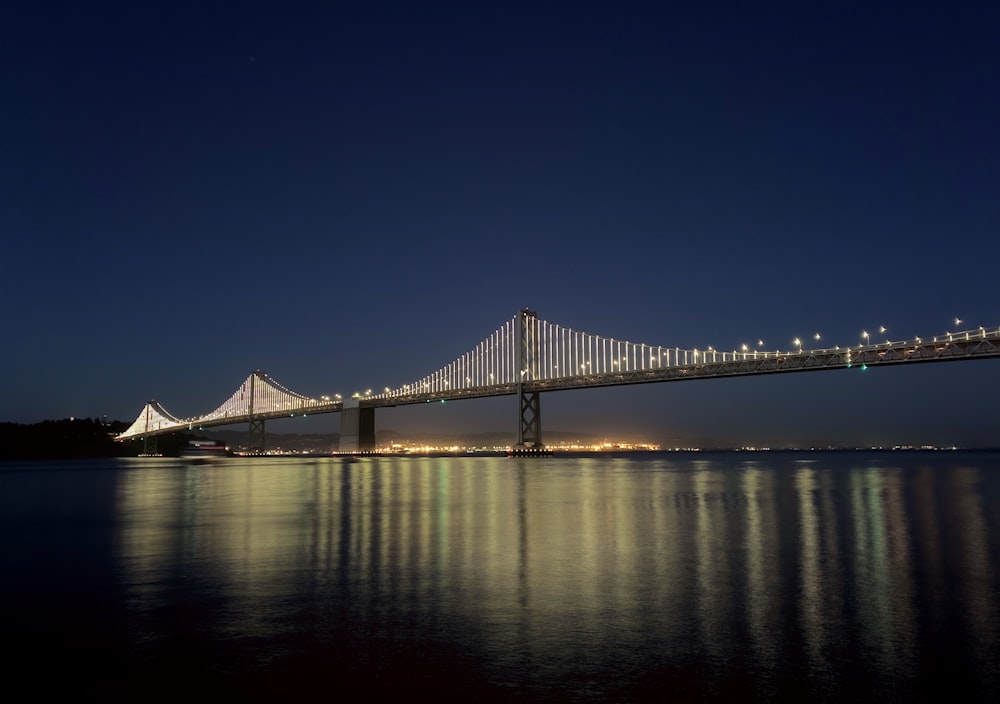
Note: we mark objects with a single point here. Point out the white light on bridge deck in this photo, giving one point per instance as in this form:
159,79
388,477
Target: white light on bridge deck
491,363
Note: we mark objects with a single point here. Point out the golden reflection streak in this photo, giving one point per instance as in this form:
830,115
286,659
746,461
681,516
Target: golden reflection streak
632,555
811,602
903,635
929,540
711,563
976,564
821,579
762,573
872,492
594,530
671,555
867,560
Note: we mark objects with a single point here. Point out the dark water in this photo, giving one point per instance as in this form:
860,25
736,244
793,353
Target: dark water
759,577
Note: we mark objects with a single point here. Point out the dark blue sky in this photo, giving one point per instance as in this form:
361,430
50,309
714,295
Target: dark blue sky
351,195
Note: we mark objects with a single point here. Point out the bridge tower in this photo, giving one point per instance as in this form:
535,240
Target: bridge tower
529,420
257,441
149,443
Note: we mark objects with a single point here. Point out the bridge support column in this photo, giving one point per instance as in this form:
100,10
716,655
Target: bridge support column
149,445
357,427
258,438
529,421
529,427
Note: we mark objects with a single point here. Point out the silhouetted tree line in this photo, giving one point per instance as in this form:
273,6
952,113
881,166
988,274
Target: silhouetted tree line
76,437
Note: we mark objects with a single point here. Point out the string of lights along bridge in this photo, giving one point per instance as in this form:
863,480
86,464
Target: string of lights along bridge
526,356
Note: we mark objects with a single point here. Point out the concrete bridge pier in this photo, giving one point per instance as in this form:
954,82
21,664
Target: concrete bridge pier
357,427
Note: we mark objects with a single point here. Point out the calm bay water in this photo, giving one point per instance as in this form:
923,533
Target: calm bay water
655,577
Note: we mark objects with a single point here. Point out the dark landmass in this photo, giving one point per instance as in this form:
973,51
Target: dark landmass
56,439
90,437
79,437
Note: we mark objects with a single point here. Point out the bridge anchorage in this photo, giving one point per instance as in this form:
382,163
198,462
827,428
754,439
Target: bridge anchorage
527,356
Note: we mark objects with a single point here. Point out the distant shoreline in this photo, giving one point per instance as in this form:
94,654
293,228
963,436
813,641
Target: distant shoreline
92,438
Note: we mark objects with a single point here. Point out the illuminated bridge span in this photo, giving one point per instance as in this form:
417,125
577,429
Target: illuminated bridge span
526,356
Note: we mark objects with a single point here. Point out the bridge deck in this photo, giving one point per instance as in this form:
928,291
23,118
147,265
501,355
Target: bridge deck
952,347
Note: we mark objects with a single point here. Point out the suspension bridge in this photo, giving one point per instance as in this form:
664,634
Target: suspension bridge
527,356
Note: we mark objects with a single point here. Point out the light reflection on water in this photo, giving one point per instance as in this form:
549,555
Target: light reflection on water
779,577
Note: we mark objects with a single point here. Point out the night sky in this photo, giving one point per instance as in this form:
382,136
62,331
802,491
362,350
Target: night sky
351,195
